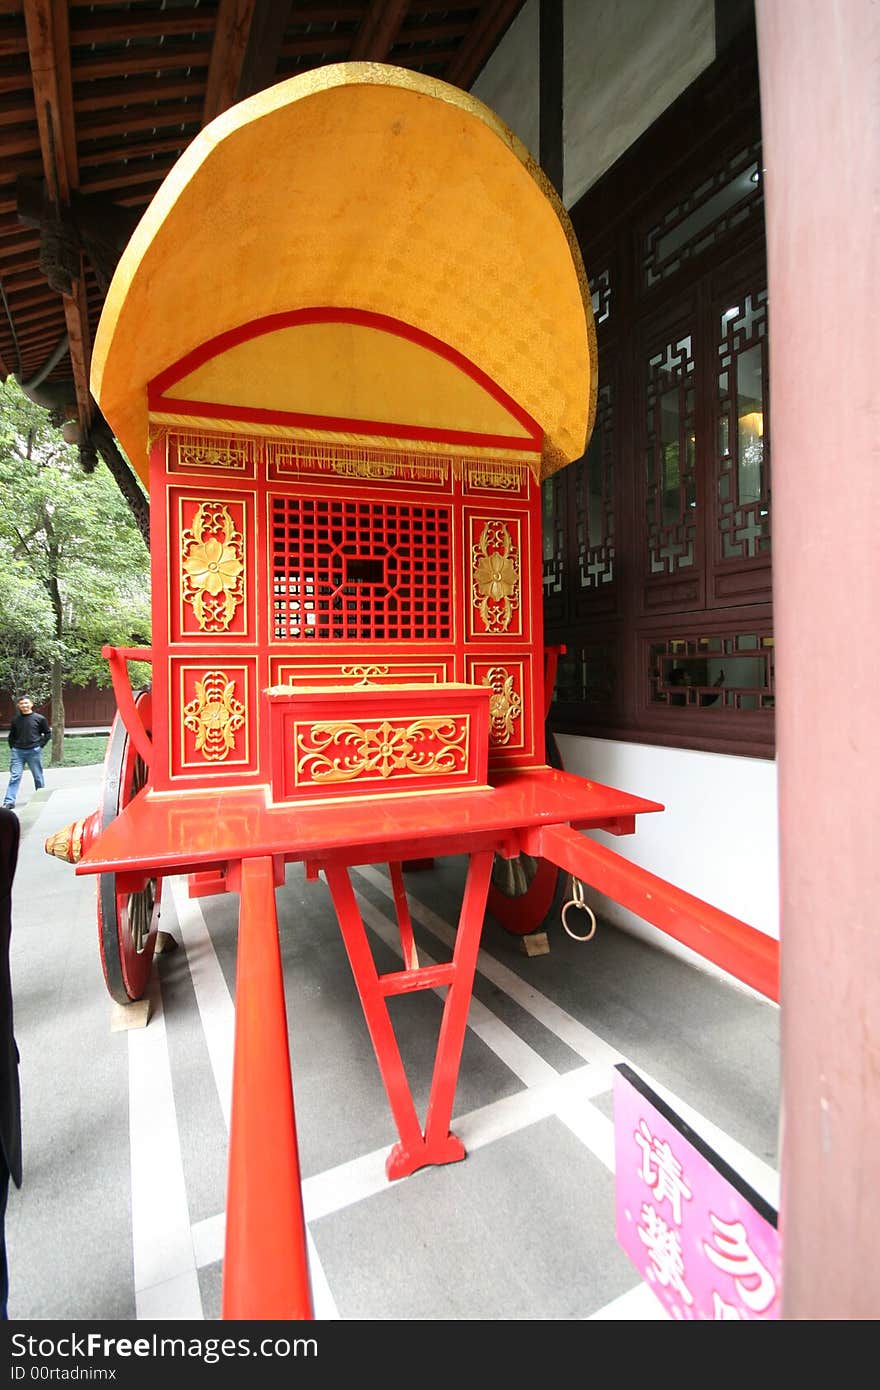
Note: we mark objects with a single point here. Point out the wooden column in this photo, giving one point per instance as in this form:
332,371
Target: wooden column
819,64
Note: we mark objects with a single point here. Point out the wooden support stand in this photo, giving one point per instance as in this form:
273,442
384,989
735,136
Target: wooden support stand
135,1015
535,944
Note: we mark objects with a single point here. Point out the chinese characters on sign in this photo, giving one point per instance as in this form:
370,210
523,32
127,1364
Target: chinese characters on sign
704,1241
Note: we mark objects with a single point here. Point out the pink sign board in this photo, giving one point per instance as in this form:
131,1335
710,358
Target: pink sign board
703,1240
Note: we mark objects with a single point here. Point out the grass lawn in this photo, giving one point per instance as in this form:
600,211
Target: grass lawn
82,750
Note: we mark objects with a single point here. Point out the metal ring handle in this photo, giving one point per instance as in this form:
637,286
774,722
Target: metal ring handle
577,900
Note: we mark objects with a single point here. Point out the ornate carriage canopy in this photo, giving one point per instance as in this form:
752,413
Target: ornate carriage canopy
359,253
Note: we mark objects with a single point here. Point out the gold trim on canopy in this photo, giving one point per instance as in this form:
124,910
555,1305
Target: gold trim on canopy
369,187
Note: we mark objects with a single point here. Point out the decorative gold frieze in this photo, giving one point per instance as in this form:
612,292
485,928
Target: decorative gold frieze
363,675
214,716
297,457
340,751
226,453
495,577
505,704
212,566
496,475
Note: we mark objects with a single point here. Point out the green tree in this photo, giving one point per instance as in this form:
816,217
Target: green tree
74,569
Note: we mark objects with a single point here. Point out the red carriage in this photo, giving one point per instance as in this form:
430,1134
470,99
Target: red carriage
348,340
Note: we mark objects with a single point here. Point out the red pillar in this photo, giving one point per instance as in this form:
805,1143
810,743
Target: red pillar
265,1270
819,64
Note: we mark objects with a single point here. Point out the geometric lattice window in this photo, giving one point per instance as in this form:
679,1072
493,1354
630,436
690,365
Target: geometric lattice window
600,295
743,475
719,203
553,513
360,569
594,501
670,458
722,672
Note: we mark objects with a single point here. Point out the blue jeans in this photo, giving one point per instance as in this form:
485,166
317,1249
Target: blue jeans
19,759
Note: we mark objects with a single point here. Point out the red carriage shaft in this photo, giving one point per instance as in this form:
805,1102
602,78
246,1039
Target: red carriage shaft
745,953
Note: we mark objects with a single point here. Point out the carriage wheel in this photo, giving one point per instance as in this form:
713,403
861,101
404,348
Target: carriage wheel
525,891
127,922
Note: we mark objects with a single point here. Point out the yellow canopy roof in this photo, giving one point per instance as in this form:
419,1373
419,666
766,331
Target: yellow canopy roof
367,187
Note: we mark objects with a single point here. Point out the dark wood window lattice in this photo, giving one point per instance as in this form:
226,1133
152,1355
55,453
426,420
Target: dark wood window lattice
720,672
670,458
356,569
715,206
657,542
600,292
594,501
743,483
555,519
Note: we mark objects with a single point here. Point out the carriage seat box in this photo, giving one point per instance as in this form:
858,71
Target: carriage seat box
369,740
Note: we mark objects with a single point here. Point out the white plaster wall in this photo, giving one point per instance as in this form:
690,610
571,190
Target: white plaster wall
625,62
509,81
717,837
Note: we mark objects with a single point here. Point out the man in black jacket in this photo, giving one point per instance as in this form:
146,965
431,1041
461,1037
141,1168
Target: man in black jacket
10,1100
28,736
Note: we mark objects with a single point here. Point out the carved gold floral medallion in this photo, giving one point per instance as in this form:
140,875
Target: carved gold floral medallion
495,577
212,564
214,716
505,704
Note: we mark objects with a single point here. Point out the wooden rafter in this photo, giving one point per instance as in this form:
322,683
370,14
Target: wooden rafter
234,20
480,41
260,62
378,30
46,24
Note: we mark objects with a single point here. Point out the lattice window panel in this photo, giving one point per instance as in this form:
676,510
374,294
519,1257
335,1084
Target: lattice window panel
670,458
600,294
730,197
743,476
357,569
594,501
553,514
722,672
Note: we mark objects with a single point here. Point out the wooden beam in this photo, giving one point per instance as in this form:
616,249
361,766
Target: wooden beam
481,40
113,95
18,80
310,45
122,176
260,62
550,84
128,151
46,24
18,142
124,60
49,47
97,126
130,24
378,30
231,35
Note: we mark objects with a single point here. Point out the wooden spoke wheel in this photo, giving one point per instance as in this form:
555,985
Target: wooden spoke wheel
525,892
127,922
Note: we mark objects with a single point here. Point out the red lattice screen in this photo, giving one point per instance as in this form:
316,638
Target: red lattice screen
360,569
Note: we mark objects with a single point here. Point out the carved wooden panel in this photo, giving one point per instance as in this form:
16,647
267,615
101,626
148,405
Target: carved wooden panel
213,718
210,561
497,553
